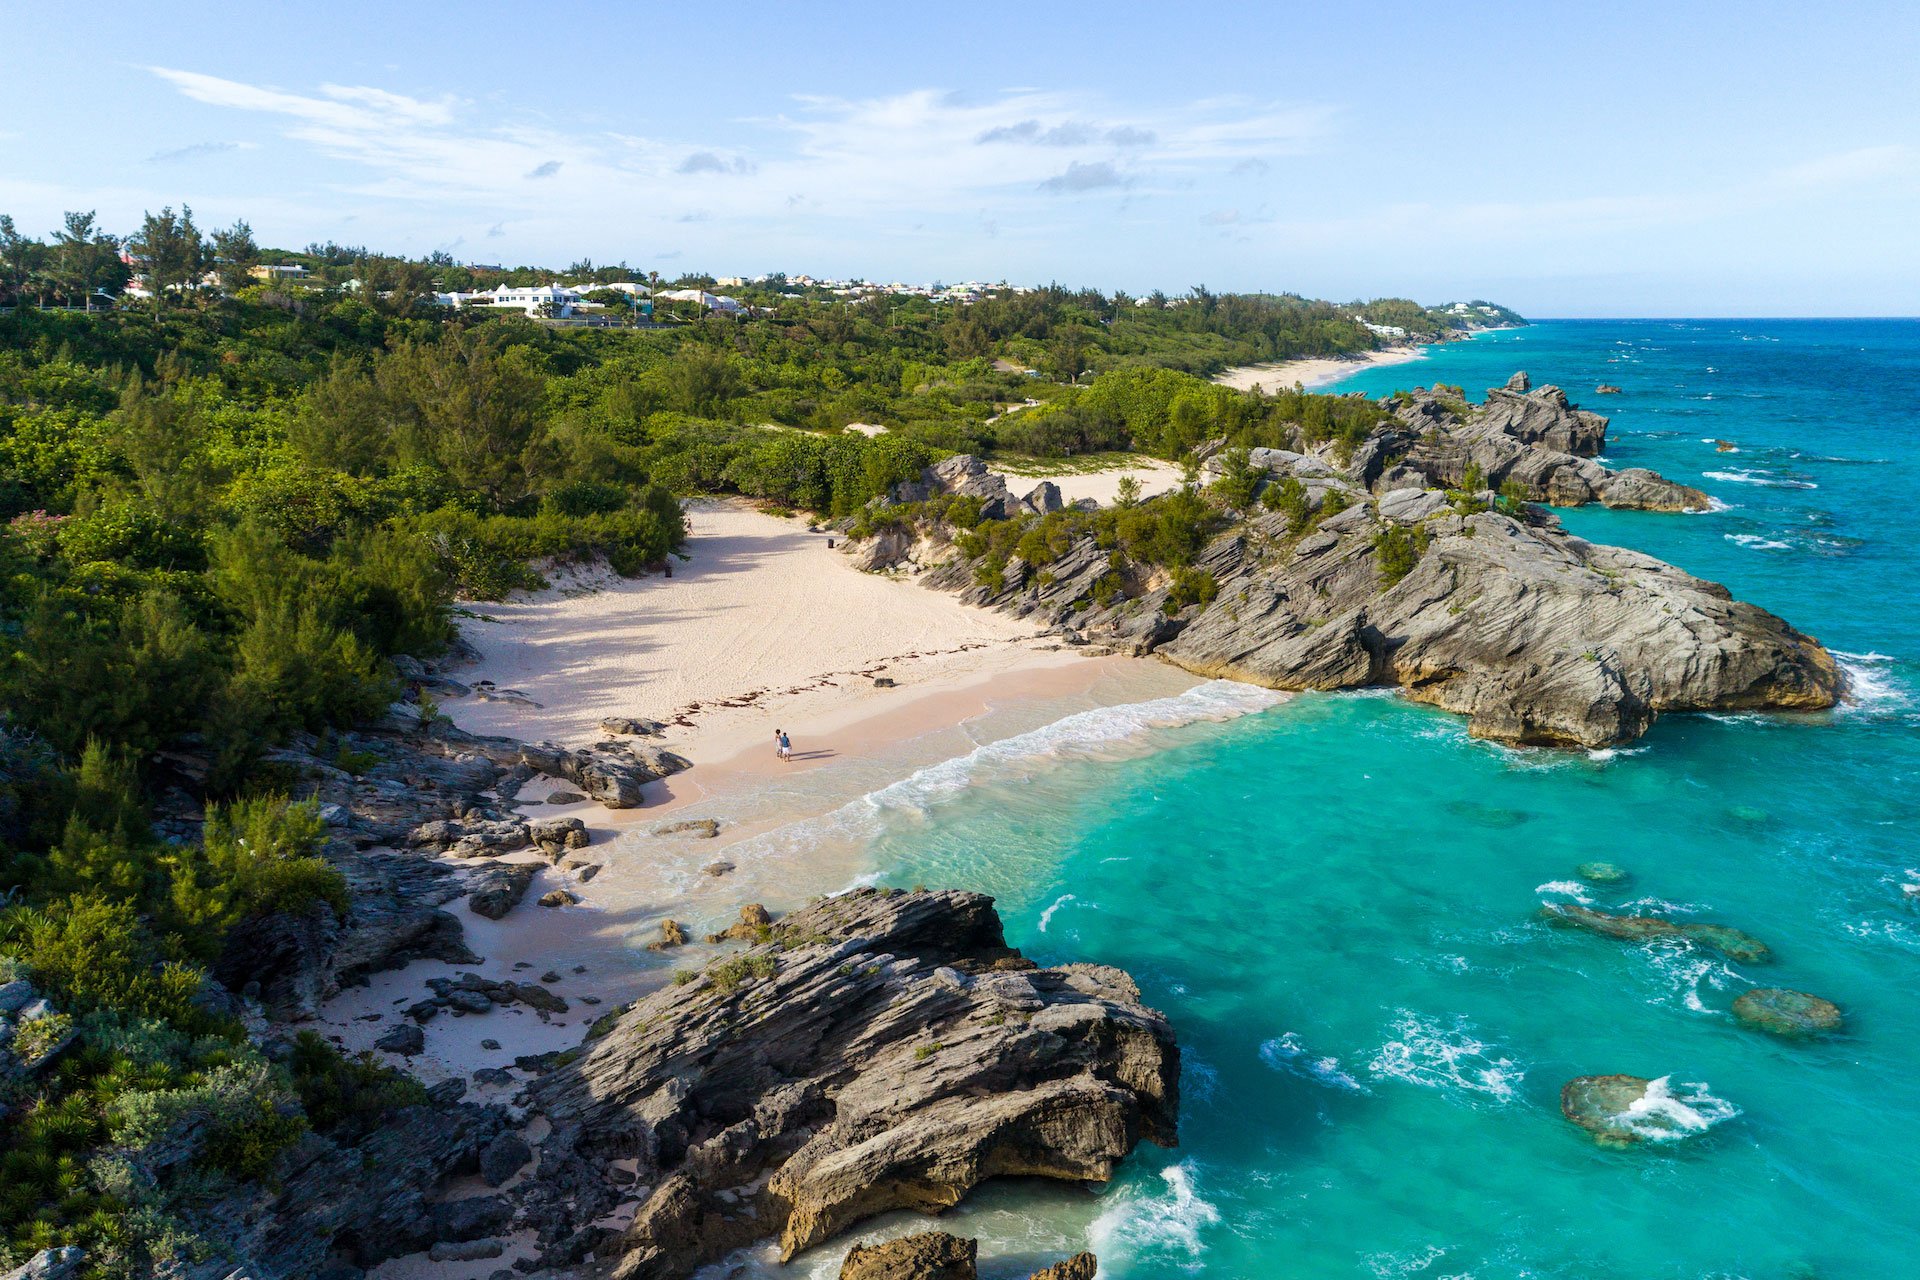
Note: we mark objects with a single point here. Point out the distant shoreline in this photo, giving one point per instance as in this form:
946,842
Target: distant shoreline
1318,371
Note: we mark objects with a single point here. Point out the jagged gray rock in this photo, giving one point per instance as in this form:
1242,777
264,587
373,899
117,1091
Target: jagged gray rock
881,1050
1536,636
50,1264
359,1203
498,888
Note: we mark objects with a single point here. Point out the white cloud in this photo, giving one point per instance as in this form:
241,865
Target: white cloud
836,158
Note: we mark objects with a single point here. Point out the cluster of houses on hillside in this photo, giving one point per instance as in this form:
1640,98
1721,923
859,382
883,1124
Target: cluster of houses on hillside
549,301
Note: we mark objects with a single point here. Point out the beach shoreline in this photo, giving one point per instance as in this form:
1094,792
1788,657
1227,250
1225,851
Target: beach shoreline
560,660
1315,372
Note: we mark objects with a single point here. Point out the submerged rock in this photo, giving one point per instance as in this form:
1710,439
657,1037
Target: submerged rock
698,828
1623,1111
1787,1013
1602,873
1728,941
672,934
880,1051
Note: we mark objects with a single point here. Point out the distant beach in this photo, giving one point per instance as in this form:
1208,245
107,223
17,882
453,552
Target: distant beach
1319,371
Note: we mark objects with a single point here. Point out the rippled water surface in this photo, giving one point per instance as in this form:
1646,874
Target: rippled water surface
1337,899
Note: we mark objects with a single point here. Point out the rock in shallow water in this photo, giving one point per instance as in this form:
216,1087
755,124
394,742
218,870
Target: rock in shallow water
1725,939
1602,873
1625,1111
1787,1013
932,1255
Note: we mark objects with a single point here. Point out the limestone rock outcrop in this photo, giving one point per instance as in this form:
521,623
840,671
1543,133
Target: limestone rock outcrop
880,1051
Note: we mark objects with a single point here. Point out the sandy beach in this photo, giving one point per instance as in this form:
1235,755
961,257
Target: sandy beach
763,626
1317,372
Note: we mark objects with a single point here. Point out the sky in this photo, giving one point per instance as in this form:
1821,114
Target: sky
1599,159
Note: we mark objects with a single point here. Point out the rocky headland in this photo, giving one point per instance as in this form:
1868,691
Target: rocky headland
872,1052
1376,567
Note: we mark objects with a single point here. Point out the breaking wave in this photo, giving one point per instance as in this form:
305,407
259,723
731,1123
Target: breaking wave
1165,1225
1661,1115
1284,1053
1444,1054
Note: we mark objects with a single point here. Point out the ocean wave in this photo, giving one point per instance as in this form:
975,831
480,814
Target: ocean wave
1869,685
1046,917
1758,542
1084,735
1661,1115
1284,1053
1603,755
1898,932
1078,736
1754,477
1165,1225
1444,1054
1389,1265
1564,889
1683,972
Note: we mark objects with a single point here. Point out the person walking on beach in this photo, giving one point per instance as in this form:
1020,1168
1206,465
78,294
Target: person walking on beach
786,746
778,754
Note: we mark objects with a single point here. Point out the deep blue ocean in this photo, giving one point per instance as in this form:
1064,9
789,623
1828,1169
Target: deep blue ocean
1337,898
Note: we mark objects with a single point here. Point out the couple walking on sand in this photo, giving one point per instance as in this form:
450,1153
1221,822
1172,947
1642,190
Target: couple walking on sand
782,745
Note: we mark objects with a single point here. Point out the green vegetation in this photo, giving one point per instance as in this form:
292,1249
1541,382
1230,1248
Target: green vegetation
1397,549
730,975
231,510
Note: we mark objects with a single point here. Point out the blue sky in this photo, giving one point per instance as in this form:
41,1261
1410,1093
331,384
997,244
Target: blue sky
1600,159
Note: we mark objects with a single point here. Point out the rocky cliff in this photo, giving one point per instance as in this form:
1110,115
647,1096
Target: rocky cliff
1530,436
878,1051
1386,573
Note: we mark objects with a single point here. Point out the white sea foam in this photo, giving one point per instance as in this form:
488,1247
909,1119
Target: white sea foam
1166,1224
1662,1115
1754,477
1078,736
1564,889
1684,971
1093,734
1285,1053
1870,687
1437,1053
1758,542
1046,917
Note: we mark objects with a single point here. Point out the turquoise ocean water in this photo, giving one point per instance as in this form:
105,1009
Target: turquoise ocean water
1337,898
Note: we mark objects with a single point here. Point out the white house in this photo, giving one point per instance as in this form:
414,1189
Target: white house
711,301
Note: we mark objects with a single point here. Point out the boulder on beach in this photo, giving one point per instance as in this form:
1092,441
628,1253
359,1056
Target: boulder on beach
751,927
1787,1013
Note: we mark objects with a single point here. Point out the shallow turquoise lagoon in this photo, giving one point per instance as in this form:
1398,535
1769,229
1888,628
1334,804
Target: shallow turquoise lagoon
1338,898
